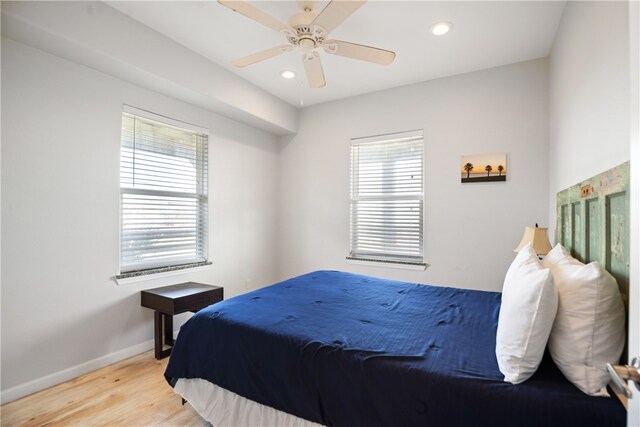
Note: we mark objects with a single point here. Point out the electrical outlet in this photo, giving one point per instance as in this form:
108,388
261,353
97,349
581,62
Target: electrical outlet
249,284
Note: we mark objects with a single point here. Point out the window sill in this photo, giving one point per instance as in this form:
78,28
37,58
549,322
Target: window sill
391,264
143,276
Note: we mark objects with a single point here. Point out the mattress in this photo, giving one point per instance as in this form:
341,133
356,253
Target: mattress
339,349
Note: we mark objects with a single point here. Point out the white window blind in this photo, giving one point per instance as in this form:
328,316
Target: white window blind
163,191
387,198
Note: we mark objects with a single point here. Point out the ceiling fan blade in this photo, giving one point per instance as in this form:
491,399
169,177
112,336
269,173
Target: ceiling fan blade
313,68
336,12
358,51
250,11
261,56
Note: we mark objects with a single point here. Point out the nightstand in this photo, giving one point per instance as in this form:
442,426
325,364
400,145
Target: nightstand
170,300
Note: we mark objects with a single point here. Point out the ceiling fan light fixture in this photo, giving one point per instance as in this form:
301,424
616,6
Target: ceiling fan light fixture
287,74
441,28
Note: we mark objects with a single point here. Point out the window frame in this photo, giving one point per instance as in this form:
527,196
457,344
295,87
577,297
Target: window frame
388,260
167,269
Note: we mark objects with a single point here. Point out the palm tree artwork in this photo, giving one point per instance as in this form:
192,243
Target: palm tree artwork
468,168
473,167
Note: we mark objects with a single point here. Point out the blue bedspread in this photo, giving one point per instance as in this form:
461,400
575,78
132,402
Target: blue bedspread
348,350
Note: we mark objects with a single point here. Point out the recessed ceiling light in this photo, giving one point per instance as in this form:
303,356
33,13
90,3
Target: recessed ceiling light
288,74
441,28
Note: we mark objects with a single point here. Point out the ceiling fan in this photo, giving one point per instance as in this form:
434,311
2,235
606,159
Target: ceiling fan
308,32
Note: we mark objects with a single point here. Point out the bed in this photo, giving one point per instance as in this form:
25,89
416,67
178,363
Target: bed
336,348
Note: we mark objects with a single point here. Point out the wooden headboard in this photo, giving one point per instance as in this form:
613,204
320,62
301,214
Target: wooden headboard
593,222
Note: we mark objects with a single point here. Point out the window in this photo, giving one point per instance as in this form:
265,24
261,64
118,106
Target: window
387,198
163,194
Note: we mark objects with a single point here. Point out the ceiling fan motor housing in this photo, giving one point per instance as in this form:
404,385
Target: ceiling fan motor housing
307,36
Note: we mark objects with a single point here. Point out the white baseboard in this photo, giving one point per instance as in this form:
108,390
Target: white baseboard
56,378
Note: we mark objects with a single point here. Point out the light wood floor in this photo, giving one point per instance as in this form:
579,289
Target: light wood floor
129,393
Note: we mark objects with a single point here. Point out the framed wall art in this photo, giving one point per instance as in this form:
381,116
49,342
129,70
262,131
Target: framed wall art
484,168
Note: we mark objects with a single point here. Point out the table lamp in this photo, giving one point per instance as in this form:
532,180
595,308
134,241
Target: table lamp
537,237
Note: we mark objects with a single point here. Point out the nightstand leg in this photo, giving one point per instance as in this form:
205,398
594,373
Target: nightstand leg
168,329
157,326
163,330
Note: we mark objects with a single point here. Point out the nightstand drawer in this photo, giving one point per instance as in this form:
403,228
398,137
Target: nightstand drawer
181,298
197,301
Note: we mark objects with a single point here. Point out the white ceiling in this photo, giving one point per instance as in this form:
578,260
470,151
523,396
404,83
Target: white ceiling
485,34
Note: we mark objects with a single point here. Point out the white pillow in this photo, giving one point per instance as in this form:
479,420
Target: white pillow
529,303
589,327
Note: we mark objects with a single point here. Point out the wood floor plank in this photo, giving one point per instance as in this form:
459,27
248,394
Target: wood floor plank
132,392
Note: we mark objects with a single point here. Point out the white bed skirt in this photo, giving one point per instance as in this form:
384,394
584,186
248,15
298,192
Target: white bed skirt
222,407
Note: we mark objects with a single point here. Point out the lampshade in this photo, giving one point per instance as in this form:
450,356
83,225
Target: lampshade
538,238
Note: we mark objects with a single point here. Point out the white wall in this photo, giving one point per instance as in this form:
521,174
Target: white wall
588,94
470,229
96,35
61,311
